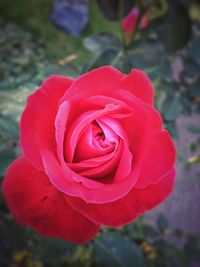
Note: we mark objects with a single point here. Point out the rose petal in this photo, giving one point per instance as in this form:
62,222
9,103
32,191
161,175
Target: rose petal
96,82
125,210
37,121
60,125
92,162
125,163
84,120
106,169
158,161
141,127
138,83
36,203
100,101
100,194
88,147
105,80
64,178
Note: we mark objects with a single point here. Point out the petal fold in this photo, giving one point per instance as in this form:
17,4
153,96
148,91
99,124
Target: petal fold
37,129
127,209
69,182
138,83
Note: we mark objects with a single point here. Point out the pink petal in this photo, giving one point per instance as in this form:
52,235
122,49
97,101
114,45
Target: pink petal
60,124
100,193
85,120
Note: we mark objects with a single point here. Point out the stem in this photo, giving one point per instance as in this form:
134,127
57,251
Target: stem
121,15
119,55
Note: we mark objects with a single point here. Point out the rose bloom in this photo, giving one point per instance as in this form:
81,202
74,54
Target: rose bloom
94,153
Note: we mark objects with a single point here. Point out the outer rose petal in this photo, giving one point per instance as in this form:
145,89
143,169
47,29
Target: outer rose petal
145,123
99,81
106,80
36,203
125,210
159,160
139,85
38,118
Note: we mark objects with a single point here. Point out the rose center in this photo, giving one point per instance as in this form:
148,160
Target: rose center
100,135
95,141
99,148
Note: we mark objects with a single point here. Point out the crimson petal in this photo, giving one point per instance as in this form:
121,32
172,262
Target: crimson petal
35,202
125,210
37,121
158,161
139,85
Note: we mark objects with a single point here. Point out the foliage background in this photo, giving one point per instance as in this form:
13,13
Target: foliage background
32,48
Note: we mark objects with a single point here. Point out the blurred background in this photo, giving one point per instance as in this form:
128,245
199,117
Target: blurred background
69,37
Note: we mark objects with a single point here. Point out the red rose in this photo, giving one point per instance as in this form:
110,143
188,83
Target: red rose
95,154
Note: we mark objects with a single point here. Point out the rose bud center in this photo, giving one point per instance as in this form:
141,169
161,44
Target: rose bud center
98,139
99,147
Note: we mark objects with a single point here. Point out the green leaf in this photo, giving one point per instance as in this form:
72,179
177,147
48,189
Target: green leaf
192,247
191,67
172,128
195,89
162,223
111,8
6,157
12,238
115,250
12,103
169,88
24,54
66,70
171,108
136,230
8,128
7,84
161,71
195,48
106,58
185,102
178,28
51,250
101,42
140,230
170,256
142,56
139,61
